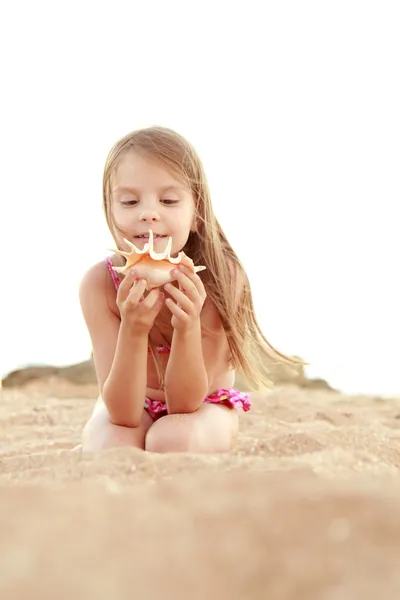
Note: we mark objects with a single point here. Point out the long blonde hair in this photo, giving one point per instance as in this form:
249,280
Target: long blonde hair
250,351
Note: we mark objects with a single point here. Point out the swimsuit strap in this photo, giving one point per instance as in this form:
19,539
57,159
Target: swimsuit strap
113,274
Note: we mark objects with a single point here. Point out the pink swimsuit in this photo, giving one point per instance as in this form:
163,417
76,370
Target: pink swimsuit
229,397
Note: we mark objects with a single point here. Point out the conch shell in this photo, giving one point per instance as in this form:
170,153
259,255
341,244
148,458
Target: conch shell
154,267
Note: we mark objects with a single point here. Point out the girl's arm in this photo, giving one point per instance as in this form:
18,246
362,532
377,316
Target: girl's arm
195,354
186,377
119,345
124,390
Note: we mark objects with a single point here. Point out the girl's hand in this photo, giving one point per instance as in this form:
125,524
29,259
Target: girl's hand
139,314
189,299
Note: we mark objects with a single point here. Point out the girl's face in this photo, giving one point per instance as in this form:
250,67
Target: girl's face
144,195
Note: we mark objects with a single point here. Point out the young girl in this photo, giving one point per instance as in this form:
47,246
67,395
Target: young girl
165,360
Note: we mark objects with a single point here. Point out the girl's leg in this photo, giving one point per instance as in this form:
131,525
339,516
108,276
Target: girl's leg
99,433
212,428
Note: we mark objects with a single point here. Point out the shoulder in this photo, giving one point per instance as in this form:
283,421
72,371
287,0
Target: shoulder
93,280
97,297
99,273
97,289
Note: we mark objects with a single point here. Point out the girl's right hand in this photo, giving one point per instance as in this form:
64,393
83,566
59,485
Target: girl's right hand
137,313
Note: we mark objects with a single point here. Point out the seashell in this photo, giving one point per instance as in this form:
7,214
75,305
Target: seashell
154,267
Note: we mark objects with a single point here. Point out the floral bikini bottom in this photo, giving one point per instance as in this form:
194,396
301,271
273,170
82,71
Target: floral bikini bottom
228,397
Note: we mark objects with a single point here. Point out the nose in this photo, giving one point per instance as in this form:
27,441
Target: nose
149,216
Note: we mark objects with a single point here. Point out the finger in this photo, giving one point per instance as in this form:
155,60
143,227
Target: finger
187,285
194,278
181,297
154,297
176,310
126,284
136,292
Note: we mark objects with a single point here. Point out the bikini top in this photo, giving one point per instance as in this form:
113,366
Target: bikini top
160,349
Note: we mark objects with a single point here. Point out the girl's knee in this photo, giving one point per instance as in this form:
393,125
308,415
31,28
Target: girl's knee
174,433
107,436
100,434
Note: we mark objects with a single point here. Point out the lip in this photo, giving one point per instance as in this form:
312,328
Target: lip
146,237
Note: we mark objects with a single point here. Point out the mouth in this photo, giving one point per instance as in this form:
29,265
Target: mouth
145,236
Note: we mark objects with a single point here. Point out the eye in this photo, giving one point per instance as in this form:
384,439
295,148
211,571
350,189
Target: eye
169,201
129,202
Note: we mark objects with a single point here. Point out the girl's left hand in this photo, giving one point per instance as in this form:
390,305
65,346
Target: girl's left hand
189,299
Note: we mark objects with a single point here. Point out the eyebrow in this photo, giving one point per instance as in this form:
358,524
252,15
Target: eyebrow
168,188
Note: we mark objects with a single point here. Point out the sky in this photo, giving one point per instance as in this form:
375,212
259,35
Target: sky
293,108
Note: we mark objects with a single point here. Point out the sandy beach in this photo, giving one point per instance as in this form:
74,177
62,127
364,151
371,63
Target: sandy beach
306,507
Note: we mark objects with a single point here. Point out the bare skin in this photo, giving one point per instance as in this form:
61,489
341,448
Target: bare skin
212,428
145,194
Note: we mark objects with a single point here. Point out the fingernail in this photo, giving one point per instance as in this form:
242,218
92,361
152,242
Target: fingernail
181,267
175,271
133,271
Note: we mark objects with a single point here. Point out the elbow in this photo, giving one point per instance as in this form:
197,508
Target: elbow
124,420
119,413
125,423
185,403
186,396
183,408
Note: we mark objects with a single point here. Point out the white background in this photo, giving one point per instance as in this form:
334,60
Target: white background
294,110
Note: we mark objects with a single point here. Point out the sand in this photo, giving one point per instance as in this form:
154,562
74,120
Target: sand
306,507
